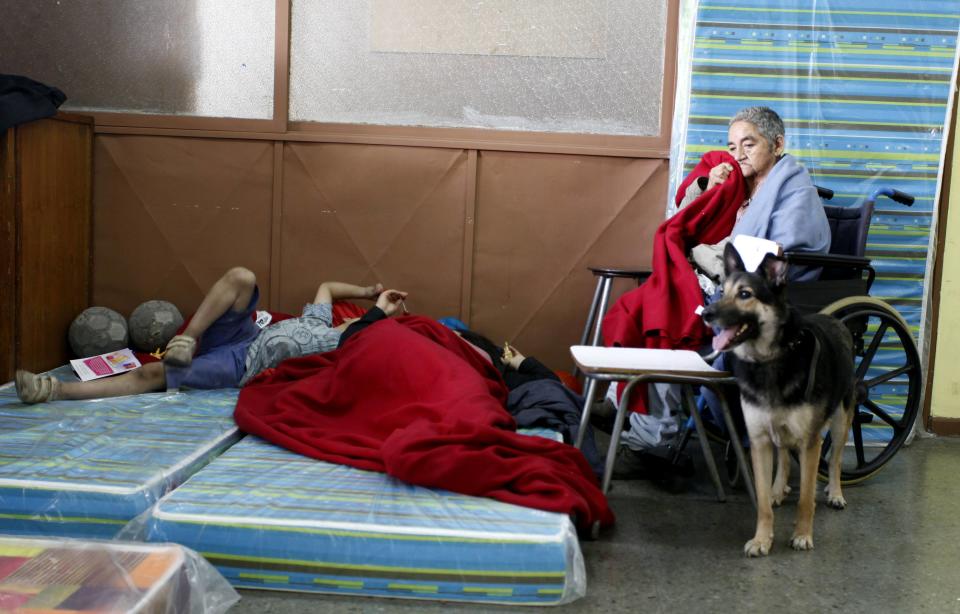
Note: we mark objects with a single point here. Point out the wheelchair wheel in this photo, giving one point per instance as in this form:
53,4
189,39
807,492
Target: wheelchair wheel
887,361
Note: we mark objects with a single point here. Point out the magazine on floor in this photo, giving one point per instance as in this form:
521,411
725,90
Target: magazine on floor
104,365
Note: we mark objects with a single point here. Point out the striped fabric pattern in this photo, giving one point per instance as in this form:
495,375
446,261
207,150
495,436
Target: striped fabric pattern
269,518
85,468
862,87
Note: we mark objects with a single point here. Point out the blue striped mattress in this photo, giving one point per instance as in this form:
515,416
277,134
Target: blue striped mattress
272,519
86,468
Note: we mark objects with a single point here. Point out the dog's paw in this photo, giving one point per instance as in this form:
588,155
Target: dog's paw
802,542
757,547
836,502
778,497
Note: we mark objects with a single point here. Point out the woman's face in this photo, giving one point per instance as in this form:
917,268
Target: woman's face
751,150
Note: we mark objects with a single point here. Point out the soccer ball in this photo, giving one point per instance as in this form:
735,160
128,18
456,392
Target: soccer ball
97,330
153,324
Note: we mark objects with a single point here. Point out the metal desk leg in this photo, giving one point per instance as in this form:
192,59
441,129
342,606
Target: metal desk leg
585,414
602,309
591,318
737,447
615,435
691,404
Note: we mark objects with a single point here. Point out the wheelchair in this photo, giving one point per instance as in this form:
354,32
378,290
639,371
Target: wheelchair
885,355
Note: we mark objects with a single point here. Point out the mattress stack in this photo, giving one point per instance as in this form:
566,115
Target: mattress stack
86,468
176,466
269,518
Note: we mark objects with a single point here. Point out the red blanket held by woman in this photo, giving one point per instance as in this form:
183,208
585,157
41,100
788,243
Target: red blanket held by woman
661,313
408,397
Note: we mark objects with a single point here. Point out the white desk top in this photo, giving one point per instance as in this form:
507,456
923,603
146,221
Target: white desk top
639,361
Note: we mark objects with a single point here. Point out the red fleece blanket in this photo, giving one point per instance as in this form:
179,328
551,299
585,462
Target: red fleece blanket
409,398
661,312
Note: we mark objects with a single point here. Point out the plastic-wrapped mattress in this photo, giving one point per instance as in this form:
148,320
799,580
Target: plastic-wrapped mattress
269,518
85,468
45,576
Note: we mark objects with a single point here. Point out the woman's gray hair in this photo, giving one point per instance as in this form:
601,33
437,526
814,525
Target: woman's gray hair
766,120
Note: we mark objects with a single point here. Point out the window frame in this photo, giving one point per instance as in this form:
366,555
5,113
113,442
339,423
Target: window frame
282,129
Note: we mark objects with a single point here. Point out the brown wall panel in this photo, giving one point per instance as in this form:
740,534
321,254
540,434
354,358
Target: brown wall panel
373,213
172,214
51,213
541,220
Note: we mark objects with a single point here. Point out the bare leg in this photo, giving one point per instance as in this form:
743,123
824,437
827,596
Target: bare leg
781,488
148,378
231,292
809,461
761,452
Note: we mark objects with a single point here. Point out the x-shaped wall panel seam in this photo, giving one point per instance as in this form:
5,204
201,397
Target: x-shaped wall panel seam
329,203
109,145
455,161
578,262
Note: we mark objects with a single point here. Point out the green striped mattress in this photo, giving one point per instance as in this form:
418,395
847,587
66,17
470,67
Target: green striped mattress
268,518
85,468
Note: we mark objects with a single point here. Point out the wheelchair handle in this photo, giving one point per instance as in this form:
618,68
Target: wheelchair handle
901,197
824,193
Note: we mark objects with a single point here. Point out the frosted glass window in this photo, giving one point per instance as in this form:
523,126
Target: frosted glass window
209,58
534,65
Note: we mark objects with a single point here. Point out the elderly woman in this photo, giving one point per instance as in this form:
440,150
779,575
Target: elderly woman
781,201
754,189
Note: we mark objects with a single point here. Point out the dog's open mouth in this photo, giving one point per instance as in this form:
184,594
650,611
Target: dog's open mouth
730,337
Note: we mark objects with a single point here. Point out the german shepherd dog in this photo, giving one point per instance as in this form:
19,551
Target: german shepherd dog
796,376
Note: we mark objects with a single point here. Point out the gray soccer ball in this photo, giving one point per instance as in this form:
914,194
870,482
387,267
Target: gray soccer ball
153,324
97,330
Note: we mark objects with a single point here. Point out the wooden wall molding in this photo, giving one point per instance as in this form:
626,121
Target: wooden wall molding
949,427
450,138
940,242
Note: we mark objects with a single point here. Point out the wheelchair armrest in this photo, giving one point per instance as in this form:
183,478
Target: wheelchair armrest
857,262
835,262
639,274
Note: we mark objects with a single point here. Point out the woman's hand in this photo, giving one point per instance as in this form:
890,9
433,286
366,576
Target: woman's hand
718,174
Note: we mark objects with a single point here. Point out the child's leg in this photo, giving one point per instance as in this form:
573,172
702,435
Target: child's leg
33,388
148,378
232,292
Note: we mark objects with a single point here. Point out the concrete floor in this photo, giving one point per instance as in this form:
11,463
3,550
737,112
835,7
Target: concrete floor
896,548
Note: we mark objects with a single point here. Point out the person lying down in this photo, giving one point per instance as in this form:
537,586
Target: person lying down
222,347
408,397
404,396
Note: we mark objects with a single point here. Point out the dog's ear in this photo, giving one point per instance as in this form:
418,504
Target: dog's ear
774,269
732,262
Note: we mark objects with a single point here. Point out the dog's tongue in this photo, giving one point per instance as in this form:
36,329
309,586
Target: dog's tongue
722,339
